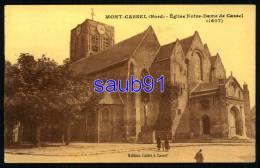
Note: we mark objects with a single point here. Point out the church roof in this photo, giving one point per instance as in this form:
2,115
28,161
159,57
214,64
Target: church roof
186,42
213,60
232,77
204,86
118,53
164,52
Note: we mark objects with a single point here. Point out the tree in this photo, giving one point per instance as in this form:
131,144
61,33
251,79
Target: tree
41,91
12,84
33,80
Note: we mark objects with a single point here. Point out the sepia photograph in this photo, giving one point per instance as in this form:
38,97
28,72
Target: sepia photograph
129,84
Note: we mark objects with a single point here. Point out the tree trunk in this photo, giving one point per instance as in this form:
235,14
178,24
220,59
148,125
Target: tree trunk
68,133
20,134
37,135
6,140
9,135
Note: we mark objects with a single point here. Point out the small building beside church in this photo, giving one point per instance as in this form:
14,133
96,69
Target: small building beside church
200,100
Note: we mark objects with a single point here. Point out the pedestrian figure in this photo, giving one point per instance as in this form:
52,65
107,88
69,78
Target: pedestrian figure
167,144
199,157
158,140
163,145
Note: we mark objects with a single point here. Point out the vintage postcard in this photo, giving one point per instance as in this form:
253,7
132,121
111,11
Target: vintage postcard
129,83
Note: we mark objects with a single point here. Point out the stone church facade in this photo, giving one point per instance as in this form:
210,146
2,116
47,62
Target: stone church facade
200,100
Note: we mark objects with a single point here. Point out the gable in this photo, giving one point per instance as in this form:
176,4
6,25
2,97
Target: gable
206,49
218,64
144,55
233,88
178,68
212,60
218,67
186,43
164,52
171,60
177,54
198,56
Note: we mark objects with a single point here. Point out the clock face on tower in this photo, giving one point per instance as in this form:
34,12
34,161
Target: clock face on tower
101,29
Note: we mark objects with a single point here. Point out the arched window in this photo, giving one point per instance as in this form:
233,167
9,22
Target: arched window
197,66
235,121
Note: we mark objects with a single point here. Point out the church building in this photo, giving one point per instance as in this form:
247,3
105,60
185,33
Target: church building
200,100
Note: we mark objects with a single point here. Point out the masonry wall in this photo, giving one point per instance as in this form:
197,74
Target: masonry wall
206,106
157,69
197,48
111,124
218,71
183,129
141,60
179,79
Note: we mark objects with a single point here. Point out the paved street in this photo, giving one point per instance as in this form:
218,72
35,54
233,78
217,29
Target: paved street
108,152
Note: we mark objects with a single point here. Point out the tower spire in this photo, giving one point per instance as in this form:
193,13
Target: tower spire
92,14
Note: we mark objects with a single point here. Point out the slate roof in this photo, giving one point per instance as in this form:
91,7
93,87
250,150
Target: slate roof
121,52
206,86
118,53
185,43
164,52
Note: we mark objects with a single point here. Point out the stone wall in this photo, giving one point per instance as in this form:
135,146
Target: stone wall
206,106
218,70
197,50
179,79
141,60
111,124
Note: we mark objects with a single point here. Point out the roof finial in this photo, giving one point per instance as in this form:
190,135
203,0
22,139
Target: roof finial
231,73
92,14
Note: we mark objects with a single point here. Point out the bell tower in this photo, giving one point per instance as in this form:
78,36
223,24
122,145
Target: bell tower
89,38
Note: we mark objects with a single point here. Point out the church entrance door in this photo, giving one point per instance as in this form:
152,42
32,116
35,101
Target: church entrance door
105,125
235,122
205,125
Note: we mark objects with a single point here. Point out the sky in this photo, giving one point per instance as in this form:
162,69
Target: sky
45,29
